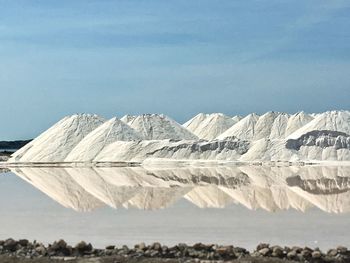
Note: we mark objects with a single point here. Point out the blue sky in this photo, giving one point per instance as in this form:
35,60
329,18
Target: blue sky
178,57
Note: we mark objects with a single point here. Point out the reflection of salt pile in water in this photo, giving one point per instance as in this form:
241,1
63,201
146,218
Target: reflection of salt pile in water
113,191
268,188
208,196
273,136
151,198
60,186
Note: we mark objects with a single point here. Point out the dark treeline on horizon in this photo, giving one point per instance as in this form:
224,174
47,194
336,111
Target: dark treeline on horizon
13,144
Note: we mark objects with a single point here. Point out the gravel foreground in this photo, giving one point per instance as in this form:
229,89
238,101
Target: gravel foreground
13,251
115,259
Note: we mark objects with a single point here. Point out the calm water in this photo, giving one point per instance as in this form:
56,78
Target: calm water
226,205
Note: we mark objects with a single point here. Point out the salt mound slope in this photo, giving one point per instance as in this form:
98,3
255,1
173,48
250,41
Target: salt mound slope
160,127
264,125
111,131
313,146
297,121
209,126
244,129
195,122
279,126
271,125
331,120
228,149
57,142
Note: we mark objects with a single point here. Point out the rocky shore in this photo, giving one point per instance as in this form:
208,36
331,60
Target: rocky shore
24,251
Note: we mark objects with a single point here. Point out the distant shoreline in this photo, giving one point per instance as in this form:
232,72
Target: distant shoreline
7,148
13,145
5,155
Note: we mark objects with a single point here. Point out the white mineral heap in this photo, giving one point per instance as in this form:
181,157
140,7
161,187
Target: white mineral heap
57,142
331,121
209,126
273,136
244,129
160,127
109,132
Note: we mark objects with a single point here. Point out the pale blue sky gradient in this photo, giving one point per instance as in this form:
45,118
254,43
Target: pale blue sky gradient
178,57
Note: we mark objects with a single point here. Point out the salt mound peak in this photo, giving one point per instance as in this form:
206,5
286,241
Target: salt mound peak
264,125
57,142
210,126
244,129
331,120
193,123
160,127
111,131
271,125
296,121
272,137
279,126
128,118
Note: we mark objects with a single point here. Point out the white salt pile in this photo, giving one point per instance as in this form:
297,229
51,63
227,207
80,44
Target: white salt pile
273,136
209,126
244,129
330,120
111,131
297,121
57,142
160,127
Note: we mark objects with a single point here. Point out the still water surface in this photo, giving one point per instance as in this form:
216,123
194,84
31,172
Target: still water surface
226,205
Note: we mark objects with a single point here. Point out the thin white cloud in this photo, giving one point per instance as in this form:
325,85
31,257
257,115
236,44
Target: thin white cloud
318,14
